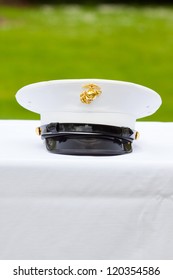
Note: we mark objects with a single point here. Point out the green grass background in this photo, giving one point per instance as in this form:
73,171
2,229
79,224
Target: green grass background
127,43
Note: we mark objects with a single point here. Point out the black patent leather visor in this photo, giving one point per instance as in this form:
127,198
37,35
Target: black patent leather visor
87,139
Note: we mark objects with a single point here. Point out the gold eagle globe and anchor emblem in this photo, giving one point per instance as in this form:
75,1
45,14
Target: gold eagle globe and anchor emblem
90,93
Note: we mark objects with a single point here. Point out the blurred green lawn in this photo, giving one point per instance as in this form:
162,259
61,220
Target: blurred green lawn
110,42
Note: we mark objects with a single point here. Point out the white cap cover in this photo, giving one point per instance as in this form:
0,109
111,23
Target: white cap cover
119,104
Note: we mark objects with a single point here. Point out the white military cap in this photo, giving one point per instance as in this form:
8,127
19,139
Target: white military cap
89,101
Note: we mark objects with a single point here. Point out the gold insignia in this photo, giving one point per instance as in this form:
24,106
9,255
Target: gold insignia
91,92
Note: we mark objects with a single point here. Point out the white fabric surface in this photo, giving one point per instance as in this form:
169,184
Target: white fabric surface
73,207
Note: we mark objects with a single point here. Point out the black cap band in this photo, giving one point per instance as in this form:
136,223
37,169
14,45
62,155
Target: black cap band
87,139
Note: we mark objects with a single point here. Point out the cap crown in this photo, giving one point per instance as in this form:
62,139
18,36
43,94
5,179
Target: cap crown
112,102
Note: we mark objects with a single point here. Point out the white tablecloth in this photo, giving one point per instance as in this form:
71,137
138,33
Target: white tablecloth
82,207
